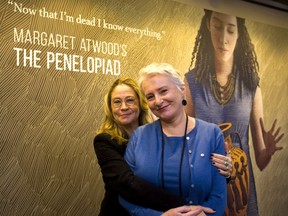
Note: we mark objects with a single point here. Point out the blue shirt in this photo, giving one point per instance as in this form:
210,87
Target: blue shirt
201,182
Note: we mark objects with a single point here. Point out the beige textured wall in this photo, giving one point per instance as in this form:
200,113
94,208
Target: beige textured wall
272,51
48,117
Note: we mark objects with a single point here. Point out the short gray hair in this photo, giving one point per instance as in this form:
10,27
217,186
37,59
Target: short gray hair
160,69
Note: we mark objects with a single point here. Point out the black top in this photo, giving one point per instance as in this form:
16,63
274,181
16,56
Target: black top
120,180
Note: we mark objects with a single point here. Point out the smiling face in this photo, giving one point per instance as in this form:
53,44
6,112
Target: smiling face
224,35
125,107
163,96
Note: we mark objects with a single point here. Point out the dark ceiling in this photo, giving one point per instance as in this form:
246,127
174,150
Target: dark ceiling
275,4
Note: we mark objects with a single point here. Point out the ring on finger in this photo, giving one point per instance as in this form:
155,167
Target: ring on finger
226,163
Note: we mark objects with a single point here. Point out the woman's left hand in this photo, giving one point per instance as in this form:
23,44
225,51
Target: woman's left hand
223,163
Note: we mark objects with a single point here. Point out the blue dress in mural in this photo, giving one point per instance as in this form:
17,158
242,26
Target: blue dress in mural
237,111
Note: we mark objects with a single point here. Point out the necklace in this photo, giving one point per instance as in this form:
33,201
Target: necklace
181,159
224,93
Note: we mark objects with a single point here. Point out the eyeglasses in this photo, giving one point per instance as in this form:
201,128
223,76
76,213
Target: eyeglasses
129,101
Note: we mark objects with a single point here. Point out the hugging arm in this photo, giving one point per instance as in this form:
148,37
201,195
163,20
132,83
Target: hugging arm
118,175
182,210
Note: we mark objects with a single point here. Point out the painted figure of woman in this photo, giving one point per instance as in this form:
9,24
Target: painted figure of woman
223,86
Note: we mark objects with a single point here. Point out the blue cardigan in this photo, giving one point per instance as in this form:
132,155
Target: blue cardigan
201,182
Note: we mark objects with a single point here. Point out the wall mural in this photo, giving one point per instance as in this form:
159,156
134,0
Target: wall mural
58,59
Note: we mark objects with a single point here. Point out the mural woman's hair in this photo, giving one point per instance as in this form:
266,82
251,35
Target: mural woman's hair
244,54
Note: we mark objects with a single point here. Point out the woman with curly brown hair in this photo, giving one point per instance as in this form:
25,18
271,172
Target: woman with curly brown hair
223,86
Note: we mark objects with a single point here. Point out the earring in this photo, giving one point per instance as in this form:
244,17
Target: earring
184,102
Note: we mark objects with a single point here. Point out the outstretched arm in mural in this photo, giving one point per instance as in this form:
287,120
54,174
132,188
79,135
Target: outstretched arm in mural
264,142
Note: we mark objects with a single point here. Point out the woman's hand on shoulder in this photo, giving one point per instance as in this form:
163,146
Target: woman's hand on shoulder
223,163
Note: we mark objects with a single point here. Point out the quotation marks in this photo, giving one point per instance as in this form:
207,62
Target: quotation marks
10,2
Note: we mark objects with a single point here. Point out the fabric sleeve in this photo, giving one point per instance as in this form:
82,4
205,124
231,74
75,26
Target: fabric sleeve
119,176
218,197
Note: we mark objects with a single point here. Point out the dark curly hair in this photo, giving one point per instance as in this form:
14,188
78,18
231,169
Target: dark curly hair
244,54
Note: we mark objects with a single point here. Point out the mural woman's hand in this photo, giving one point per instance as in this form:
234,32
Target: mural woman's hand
271,137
